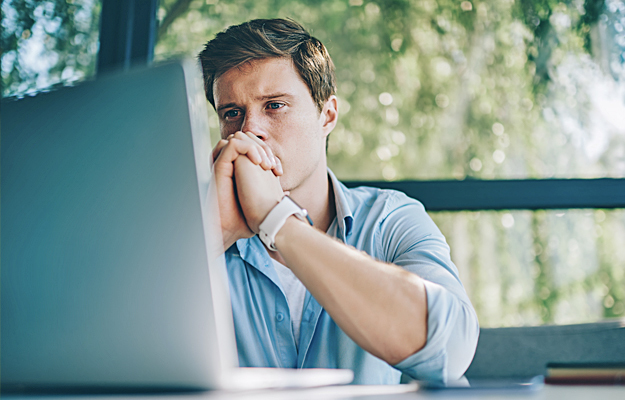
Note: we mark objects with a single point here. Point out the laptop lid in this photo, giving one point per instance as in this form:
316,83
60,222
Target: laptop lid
109,246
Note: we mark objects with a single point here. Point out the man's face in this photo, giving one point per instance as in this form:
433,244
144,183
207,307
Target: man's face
268,98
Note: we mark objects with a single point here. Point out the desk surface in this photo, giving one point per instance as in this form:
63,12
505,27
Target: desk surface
396,392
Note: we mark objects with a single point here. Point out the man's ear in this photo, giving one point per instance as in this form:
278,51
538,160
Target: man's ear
329,115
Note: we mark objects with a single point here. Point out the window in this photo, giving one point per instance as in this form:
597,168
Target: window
46,43
432,90
489,90
448,90
539,267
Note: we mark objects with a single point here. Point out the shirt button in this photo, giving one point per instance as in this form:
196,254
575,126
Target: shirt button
280,317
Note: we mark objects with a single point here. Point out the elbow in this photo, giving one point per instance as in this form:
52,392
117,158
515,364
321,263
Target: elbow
400,353
451,341
411,331
463,343
410,341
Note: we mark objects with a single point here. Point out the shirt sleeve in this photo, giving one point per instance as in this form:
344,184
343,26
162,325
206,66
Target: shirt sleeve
409,238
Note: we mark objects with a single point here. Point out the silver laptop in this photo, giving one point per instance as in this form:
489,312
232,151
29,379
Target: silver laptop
112,275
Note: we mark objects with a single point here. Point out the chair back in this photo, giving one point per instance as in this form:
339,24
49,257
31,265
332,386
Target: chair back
525,351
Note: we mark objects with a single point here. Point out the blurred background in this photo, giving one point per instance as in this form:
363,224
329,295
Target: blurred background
431,90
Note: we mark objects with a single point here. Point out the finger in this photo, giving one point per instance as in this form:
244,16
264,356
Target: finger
257,156
244,143
278,168
218,148
262,144
220,145
269,160
264,150
236,147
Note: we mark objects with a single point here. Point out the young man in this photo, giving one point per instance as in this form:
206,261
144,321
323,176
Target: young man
371,287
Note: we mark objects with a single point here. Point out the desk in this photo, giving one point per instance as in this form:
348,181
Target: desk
395,392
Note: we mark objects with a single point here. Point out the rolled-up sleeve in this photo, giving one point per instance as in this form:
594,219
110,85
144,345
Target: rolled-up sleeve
409,238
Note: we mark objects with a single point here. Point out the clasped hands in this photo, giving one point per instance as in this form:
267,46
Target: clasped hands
246,175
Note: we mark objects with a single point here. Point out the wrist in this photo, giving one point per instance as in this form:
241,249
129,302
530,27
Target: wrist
277,217
283,235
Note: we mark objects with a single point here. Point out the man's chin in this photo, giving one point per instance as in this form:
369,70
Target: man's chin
285,184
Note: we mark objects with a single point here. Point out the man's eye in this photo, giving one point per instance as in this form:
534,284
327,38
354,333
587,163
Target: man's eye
231,114
275,106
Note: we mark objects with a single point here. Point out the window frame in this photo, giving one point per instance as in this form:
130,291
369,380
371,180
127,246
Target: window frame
127,34
127,37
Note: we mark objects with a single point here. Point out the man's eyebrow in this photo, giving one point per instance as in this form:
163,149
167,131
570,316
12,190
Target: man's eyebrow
274,95
264,97
225,106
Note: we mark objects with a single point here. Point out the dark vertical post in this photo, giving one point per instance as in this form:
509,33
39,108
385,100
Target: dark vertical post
127,34
144,34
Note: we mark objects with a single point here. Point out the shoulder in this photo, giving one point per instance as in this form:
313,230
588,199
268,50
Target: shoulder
381,202
390,217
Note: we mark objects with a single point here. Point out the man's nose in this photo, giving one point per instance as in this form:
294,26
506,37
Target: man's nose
254,123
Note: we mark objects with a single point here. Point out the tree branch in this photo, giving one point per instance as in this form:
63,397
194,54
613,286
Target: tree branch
179,7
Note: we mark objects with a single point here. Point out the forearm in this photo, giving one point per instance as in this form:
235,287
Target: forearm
380,306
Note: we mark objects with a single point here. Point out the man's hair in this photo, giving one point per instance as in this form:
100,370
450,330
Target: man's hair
270,38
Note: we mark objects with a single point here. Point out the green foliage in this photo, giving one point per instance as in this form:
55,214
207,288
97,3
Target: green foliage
542,267
432,89
46,43
445,89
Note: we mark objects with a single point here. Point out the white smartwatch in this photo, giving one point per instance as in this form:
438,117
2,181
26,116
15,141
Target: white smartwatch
277,217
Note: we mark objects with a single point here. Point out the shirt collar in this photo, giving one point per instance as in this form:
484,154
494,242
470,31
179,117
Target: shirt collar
253,252
344,216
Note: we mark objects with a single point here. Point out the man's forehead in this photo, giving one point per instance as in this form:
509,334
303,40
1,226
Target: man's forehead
258,80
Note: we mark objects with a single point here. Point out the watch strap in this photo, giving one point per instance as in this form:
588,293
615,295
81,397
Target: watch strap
276,218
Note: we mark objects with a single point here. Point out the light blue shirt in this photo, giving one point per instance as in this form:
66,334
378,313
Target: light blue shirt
390,227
